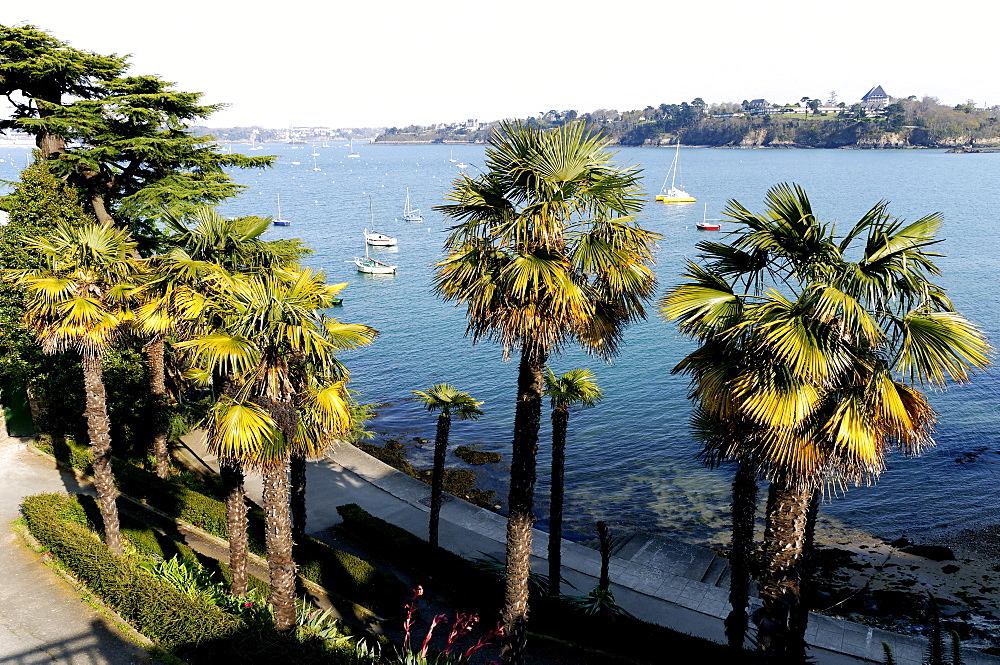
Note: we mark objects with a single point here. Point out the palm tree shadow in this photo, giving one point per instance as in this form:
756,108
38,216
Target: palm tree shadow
99,644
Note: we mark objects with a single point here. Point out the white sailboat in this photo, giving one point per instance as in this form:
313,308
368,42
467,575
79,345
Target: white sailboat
352,154
315,168
278,221
451,157
372,266
673,194
377,239
411,214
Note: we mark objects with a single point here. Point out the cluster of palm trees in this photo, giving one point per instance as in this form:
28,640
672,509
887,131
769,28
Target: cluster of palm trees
245,317
813,351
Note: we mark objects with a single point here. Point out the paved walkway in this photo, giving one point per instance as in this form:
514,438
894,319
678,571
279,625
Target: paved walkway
654,579
42,618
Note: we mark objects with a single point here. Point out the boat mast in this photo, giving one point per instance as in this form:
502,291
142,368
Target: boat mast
673,167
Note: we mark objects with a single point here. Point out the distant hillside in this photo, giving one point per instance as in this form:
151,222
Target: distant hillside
903,124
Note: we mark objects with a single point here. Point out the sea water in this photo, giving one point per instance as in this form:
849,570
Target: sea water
631,460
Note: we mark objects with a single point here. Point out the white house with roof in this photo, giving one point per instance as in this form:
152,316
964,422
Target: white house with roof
876,99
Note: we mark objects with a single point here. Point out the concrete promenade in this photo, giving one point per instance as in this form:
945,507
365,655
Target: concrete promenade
656,580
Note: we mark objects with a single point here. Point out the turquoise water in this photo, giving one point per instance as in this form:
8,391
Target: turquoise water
631,460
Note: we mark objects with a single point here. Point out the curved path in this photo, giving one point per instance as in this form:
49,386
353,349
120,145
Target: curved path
42,616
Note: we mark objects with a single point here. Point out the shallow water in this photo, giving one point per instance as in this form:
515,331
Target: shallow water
631,460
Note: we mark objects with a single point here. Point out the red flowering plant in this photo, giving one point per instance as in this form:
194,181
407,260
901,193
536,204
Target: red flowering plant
453,653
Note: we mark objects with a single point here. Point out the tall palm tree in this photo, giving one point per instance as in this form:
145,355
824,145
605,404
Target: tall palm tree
811,365
575,387
199,246
544,251
79,301
278,347
447,399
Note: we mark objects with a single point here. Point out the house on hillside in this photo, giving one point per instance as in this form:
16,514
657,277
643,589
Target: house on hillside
876,99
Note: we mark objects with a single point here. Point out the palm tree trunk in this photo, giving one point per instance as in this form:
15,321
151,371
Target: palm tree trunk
99,431
231,472
298,471
560,423
781,586
799,620
744,517
278,541
520,518
158,399
437,476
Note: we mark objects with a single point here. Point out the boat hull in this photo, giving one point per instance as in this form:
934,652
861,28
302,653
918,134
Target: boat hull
281,222
666,198
373,267
707,226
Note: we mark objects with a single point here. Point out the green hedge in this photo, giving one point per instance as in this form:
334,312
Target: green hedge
155,607
341,572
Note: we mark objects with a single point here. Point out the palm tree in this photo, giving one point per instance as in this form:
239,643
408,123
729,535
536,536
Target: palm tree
201,245
450,402
545,250
575,387
814,384
79,301
288,391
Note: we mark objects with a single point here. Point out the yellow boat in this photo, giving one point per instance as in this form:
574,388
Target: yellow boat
673,194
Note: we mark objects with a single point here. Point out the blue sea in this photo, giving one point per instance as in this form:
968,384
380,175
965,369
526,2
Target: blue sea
631,460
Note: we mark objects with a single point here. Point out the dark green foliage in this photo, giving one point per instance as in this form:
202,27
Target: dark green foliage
67,452
39,200
343,573
154,607
476,457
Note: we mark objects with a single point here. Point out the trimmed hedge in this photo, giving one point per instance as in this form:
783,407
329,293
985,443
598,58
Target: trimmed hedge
341,572
156,608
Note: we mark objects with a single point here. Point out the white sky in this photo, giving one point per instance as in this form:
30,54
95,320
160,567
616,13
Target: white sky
352,63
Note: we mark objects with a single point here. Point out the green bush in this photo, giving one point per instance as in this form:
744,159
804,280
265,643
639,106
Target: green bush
165,615
67,451
343,573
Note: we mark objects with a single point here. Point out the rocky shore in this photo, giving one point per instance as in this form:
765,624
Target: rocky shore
890,584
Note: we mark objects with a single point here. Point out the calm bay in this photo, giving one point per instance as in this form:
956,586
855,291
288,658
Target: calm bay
631,460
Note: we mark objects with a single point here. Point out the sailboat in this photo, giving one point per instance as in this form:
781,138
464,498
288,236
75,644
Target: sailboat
278,221
411,214
707,224
370,265
353,154
315,168
451,157
377,239
674,195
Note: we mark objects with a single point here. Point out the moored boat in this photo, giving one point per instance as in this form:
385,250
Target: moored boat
674,194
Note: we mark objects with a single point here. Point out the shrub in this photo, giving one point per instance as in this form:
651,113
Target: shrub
343,573
154,607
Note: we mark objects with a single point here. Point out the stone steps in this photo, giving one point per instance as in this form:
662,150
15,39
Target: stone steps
674,558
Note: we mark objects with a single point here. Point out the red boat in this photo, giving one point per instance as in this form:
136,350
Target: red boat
708,226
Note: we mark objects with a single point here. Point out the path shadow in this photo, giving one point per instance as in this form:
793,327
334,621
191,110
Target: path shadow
98,646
